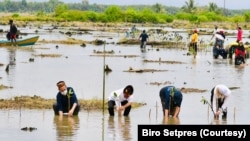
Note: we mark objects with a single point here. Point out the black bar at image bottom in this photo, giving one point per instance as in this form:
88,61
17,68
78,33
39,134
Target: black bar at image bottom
199,132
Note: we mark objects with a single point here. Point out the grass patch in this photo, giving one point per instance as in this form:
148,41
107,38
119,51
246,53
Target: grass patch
37,102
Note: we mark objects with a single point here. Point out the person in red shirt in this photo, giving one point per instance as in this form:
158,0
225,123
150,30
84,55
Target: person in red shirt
240,54
239,33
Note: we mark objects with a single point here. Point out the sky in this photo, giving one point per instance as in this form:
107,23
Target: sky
229,4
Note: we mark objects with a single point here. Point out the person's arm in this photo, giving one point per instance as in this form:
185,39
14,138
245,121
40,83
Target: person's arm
216,112
214,101
178,100
73,100
140,37
212,37
177,111
71,111
125,106
225,103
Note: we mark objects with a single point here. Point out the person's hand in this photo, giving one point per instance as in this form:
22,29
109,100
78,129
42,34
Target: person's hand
121,108
217,113
70,113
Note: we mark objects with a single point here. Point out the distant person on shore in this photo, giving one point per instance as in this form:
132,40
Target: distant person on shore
144,39
239,33
171,99
133,30
220,95
66,101
127,33
122,99
12,33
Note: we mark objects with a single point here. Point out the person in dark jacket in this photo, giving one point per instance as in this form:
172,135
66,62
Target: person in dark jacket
171,99
13,32
66,101
144,38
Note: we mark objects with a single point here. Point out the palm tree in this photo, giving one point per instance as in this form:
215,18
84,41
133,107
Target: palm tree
189,7
212,7
158,8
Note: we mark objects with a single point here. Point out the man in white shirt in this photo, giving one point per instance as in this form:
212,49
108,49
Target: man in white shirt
122,99
220,96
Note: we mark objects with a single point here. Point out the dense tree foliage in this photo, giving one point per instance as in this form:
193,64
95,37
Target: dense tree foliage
157,13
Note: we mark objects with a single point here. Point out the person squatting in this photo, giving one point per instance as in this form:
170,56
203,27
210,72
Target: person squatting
122,99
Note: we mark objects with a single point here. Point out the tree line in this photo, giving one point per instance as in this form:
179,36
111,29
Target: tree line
157,13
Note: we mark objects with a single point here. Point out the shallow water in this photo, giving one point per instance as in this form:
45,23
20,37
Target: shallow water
84,72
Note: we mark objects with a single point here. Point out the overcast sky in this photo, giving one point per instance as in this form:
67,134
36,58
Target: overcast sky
229,4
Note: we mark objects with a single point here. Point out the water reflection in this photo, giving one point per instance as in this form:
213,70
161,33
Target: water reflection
66,127
171,120
121,126
11,61
219,121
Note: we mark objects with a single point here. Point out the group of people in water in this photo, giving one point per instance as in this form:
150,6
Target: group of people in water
121,101
237,48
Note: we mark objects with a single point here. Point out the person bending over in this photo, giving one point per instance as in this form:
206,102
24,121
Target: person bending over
122,99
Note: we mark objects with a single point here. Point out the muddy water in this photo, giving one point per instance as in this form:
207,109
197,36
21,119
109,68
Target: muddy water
84,72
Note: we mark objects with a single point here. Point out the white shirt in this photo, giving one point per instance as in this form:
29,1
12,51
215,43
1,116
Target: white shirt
221,91
118,97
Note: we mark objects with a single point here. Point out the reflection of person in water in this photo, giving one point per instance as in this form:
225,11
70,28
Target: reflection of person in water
171,120
66,127
120,131
125,127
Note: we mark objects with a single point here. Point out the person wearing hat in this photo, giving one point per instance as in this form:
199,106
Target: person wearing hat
66,101
240,52
122,99
12,32
220,95
194,42
171,99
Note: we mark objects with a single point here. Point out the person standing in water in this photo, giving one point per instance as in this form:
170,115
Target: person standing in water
144,39
13,33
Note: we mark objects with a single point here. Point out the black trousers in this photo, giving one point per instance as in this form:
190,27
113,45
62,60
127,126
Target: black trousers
56,110
111,105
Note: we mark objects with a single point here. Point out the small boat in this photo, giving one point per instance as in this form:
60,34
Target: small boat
20,42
